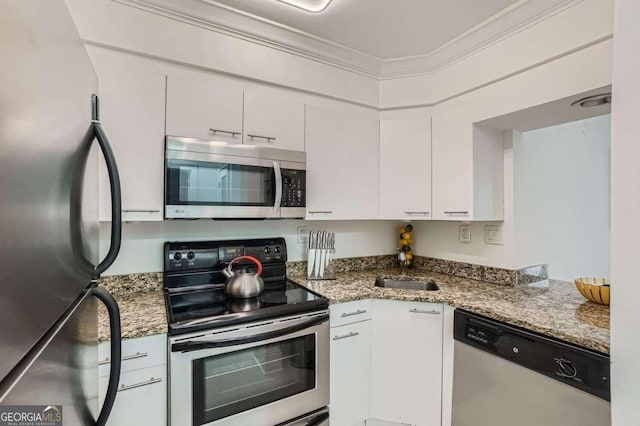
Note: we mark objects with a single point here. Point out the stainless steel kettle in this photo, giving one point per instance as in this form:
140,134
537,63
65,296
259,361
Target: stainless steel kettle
243,284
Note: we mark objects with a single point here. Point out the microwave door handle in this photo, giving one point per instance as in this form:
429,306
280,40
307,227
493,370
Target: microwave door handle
199,345
278,173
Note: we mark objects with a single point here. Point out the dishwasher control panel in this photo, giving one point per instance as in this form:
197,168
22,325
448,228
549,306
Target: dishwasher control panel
570,364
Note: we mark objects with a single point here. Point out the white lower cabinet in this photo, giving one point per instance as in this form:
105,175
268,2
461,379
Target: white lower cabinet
142,390
141,399
387,363
406,362
350,373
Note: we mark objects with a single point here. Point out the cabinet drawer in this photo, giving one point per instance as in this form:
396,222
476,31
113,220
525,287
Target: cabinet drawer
141,398
350,312
137,353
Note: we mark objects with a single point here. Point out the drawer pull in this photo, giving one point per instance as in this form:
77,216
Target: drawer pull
268,138
141,211
460,213
346,336
125,358
422,311
233,134
417,213
350,314
320,211
137,385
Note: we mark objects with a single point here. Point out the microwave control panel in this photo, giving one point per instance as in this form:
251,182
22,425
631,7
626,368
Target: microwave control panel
294,183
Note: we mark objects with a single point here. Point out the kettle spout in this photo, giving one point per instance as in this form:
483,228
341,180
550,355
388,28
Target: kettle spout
227,272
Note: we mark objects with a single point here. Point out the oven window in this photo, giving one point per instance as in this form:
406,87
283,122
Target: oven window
219,184
234,382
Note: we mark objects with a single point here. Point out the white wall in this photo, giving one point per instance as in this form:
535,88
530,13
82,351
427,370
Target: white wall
561,195
625,210
142,242
441,239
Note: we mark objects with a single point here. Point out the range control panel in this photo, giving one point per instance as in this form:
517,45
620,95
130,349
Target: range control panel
217,255
294,185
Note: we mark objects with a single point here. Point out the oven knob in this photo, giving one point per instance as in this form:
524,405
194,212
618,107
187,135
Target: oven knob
177,256
191,255
277,249
267,250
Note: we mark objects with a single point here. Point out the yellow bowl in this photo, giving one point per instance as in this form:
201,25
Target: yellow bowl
596,290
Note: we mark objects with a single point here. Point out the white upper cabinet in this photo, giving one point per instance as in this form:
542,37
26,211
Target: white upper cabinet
468,169
406,362
342,164
132,114
405,168
203,110
272,121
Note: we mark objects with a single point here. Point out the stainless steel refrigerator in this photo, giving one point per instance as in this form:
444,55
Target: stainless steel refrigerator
51,142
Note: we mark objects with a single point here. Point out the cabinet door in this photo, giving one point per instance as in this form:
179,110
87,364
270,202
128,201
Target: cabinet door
350,373
405,168
342,165
132,114
200,109
452,167
141,398
406,362
271,121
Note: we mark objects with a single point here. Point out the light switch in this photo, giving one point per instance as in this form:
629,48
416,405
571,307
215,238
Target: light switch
493,234
303,234
465,233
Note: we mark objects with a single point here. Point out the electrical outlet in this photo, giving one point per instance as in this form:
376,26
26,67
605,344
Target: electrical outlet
493,234
303,234
465,233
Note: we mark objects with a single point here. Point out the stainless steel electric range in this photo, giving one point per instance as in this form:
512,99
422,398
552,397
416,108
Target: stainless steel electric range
258,361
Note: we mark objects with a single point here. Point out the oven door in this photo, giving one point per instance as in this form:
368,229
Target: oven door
205,185
261,373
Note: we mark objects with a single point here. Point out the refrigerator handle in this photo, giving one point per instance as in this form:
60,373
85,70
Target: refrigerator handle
116,353
114,184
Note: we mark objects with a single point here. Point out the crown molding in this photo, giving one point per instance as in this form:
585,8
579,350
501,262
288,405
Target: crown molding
508,22
213,16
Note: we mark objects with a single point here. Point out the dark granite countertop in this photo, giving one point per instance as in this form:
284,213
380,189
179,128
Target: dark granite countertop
558,311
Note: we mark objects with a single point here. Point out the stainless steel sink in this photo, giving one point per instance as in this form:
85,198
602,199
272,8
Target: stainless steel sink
406,283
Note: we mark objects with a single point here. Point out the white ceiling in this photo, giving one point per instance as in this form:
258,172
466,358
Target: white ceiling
382,28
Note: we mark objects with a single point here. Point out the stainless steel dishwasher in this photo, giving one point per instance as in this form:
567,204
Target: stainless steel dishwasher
504,375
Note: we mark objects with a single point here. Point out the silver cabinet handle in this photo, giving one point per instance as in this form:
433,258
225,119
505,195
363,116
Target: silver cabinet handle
320,211
233,134
137,385
268,138
141,210
350,314
346,336
125,358
422,311
464,213
420,213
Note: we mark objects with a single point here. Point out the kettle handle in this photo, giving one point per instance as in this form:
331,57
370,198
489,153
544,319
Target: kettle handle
251,258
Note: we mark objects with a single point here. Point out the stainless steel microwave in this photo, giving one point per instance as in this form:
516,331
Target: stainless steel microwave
218,180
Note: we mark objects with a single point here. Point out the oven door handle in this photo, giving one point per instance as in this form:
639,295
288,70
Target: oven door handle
199,345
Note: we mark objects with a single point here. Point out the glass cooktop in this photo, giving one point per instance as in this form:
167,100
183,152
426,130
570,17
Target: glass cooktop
191,310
